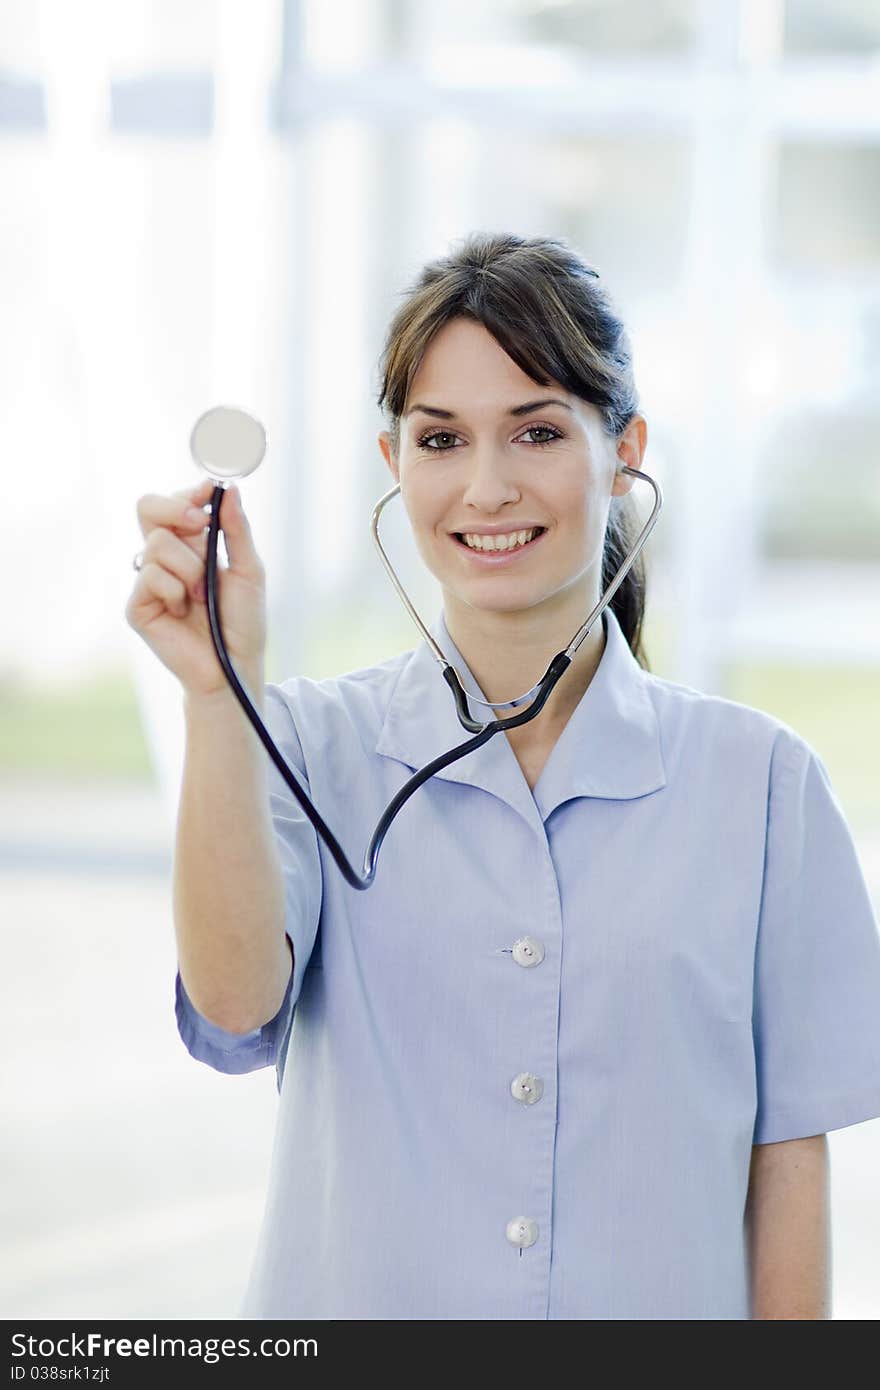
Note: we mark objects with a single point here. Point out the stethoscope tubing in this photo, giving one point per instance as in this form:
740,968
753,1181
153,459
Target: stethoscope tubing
482,733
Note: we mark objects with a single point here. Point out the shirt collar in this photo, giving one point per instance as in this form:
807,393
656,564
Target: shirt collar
610,746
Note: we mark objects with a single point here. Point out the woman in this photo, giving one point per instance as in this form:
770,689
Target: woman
575,1052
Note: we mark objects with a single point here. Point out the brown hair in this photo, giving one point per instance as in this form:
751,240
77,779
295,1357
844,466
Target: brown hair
548,311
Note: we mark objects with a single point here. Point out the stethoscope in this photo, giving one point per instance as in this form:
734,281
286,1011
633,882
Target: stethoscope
228,443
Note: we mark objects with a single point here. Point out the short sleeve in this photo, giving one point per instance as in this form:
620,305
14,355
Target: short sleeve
816,1015
297,843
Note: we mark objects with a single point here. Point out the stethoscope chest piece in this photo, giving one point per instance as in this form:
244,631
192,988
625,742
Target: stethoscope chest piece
227,443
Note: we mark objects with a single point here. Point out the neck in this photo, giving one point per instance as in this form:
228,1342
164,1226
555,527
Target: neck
508,653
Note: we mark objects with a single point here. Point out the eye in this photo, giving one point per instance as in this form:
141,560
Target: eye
425,440
544,429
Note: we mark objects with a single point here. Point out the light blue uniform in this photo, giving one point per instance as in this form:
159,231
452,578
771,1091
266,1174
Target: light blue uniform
527,1066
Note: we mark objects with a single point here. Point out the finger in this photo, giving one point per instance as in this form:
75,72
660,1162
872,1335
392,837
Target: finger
157,582
243,557
181,510
176,556
198,495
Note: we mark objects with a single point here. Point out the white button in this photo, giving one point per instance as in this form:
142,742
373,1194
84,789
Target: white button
527,1088
528,951
522,1230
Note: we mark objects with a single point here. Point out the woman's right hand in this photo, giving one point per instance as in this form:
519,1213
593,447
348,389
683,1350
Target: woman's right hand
168,606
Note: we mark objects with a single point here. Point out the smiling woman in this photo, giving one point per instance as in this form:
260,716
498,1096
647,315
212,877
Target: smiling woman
475,334
517,502
525,1075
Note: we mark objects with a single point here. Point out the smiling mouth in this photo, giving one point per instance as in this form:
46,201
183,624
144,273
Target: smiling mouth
505,550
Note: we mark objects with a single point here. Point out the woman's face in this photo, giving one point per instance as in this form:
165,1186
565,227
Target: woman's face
468,465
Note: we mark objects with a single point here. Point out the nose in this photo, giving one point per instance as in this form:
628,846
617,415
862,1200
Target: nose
490,482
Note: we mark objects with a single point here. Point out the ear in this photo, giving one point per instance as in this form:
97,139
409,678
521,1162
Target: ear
630,450
385,446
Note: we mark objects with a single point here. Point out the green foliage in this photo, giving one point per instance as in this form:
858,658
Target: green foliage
93,729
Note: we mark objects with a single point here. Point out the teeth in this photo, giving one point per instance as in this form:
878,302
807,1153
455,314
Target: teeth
507,542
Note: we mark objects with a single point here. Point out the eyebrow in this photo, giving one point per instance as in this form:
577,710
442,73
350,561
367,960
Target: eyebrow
516,410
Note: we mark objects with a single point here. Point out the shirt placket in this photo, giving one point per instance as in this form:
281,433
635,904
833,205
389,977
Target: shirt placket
533,1085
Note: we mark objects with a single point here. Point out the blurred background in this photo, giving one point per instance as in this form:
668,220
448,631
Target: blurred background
221,203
